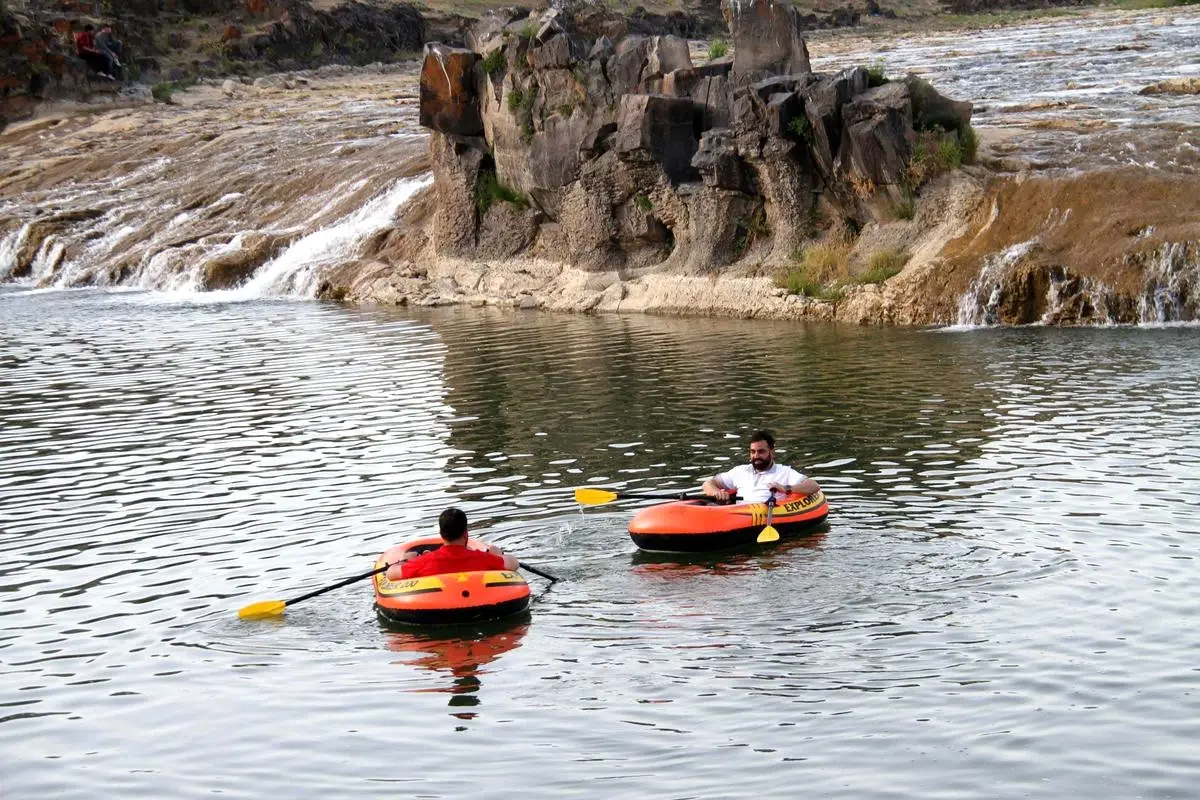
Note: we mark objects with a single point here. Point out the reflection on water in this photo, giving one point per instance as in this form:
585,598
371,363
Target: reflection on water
462,654
1007,568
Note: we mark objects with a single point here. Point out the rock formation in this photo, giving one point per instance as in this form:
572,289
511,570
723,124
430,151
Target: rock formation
622,154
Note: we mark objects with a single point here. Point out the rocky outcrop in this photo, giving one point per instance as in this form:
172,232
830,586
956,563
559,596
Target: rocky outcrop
621,153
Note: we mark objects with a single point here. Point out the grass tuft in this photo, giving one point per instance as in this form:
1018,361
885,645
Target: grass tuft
489,191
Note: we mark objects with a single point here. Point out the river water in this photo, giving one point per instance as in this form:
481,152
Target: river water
1001,606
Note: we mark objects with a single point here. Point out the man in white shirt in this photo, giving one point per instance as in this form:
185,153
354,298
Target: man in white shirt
755,482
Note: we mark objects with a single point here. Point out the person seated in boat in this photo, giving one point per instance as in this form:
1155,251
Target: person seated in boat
454,555
755,482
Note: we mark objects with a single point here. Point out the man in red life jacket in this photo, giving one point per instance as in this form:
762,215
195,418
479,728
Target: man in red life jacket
454,555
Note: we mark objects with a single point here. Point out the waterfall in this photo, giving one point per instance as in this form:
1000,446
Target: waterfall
1172,292
979,305
297,270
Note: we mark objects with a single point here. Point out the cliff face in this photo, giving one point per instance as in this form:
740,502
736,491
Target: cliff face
619,152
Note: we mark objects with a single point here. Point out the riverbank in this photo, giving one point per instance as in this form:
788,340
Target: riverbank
193,196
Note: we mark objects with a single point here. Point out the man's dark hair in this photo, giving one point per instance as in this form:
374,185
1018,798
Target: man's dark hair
89,27
452,524
763,436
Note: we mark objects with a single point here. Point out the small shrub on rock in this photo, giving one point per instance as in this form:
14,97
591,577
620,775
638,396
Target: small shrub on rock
883,265
876,75
489,190
493,62
717,48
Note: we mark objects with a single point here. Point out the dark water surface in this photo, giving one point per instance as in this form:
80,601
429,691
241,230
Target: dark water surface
1002,606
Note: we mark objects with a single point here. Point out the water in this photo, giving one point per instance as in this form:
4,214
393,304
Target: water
1001,606
1062,92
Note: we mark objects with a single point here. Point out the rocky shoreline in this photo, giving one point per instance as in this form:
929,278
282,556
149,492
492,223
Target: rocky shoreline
634,181
1010,239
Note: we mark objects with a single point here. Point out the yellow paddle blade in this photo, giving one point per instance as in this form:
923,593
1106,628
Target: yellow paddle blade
593,497
267,608
768,534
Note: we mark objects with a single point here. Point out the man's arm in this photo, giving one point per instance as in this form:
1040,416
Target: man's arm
511,563
805,486
713,487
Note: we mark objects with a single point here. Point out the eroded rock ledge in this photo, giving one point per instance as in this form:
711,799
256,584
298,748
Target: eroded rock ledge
625,154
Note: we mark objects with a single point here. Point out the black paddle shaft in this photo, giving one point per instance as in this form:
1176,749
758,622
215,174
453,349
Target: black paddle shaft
338,585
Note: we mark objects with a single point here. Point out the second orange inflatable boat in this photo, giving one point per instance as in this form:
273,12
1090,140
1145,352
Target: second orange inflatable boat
450,598
691,526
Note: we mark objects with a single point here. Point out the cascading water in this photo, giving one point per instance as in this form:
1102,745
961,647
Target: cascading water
247,196
1172,284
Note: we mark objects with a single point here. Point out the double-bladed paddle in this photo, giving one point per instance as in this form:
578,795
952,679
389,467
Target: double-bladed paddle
275,608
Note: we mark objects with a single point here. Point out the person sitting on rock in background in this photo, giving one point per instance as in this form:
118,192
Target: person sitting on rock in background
454,555
762,477
110,45
85,47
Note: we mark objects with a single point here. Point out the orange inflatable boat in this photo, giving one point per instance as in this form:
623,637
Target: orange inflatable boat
692,526
448,599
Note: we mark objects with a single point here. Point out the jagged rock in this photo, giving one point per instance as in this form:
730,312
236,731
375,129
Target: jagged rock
456,165
789,191
624,67
506,230
876,139
712,235
717,160
823,102
233,267
931,110
487,34
766,38
708,87
665,54
449,103
554,152
560,51
659,127
781,110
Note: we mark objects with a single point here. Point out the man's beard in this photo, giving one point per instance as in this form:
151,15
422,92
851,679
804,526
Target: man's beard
760,464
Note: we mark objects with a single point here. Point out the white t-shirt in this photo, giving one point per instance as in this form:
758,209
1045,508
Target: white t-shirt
752,486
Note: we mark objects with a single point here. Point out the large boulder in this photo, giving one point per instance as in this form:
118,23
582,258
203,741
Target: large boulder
877,139
823,102
449,103
766,38
658,127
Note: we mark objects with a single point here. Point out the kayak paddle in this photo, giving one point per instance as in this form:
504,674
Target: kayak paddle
275,608
769,534
594,497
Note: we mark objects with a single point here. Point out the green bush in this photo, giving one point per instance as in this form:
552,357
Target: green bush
970,141
643,202
515,98
875,74
493,61
527,31
906,208
489,190
801,127
717,48
816,271
162,92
